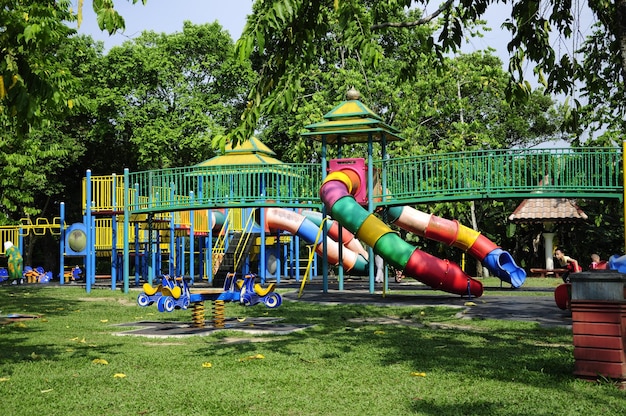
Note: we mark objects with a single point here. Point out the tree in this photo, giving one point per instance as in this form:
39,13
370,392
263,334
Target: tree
33,163
33,86
289,34
459,106
161,98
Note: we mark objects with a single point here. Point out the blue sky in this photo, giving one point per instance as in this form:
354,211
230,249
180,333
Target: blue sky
168,16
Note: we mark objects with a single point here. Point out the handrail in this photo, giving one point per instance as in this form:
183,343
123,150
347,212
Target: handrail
585,172
243,242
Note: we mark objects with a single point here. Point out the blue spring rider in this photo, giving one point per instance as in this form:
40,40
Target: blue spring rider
174,293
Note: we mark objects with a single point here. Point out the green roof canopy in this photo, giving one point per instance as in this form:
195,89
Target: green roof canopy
352,122
250,152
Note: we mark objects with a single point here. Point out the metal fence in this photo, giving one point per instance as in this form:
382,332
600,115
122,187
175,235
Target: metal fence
493,174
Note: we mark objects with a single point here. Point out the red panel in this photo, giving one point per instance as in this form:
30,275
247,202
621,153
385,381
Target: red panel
356,165
593,328
595,368
597,354
593,341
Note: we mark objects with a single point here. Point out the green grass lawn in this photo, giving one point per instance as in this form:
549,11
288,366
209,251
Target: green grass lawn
351,361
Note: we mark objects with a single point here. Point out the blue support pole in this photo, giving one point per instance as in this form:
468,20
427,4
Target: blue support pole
278,257
126,253
192,256
324,232
340,233
370,202
114,234
87,221
296,258
93,241
137,255
172,257
181,262
209,253
62,244
262,262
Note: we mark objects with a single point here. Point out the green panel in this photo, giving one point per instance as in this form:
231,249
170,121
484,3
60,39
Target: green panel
394,249
349,214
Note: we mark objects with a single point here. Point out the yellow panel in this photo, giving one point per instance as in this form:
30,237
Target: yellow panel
371,230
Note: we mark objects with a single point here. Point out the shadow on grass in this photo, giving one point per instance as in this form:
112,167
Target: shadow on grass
506,353
26,340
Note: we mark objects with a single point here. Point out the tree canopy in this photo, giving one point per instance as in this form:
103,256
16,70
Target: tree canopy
287,36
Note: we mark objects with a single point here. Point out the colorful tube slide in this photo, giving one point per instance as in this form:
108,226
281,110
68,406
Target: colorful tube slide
297,224
499,262
617,262
337,195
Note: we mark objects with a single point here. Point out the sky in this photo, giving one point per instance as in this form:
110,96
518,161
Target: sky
167,16
163,16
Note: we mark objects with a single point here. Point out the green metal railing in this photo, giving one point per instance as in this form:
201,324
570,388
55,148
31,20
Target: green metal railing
227,186
493,174
501,174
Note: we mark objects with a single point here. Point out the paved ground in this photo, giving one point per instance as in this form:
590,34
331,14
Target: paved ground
539,309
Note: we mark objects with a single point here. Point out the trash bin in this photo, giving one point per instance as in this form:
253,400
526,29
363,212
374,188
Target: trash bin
599,324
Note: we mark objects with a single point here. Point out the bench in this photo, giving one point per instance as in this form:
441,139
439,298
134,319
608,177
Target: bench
547,272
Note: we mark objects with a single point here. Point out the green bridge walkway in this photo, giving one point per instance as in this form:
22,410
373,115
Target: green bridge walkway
489,174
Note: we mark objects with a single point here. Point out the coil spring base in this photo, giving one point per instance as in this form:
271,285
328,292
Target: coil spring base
218,314
197,315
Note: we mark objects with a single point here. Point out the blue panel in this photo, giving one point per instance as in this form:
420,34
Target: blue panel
308,231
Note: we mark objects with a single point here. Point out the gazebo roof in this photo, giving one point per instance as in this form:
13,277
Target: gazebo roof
250,152
540,210
352,122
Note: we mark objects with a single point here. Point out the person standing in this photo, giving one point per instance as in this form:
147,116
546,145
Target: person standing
15,262
379,262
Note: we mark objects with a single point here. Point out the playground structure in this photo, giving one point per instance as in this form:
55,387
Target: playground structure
193,215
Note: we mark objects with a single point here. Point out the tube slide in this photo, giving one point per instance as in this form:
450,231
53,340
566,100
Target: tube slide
617,262
498,261
337,195
297,224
